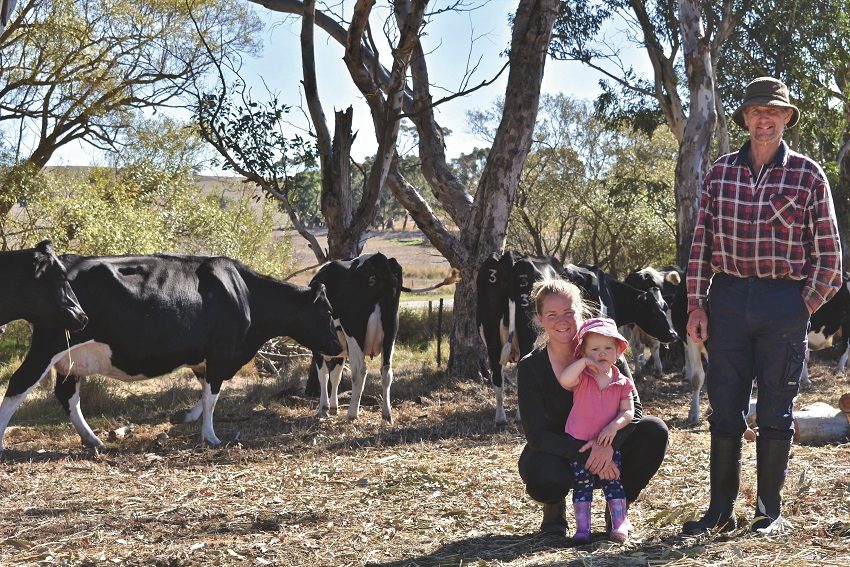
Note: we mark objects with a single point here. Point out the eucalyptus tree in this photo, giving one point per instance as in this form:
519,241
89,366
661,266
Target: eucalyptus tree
682,41
478,216
78,70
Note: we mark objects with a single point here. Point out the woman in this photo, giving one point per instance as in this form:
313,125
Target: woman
545,461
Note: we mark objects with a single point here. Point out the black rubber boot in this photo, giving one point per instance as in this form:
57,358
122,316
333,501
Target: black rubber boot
725,478
554,518
772,467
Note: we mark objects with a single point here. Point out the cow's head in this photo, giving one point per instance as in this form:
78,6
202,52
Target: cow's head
315,327
52,300
654,316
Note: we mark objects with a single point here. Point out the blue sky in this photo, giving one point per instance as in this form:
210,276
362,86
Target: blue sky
479,36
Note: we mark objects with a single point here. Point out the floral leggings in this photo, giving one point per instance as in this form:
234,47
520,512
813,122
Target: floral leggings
583,482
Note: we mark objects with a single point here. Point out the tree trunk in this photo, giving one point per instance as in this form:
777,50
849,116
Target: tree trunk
467,357
336,199
841,198
485,229
695,147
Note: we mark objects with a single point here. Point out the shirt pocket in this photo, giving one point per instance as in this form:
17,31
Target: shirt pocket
784,210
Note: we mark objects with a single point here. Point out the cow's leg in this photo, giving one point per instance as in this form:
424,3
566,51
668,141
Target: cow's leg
499,388
357,361
805,381
193,414
695,374
842,362
320,365
656,357
67,391
33,369
386,382
336,367
209,397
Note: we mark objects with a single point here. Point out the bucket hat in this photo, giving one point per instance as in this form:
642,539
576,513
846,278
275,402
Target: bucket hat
766,91
600,326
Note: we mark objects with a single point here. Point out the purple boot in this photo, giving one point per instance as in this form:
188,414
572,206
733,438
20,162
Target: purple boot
582,534
619,521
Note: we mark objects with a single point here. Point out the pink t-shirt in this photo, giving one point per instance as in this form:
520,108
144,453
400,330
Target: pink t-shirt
593,408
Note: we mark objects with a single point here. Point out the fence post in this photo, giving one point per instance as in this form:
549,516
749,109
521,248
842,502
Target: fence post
440,334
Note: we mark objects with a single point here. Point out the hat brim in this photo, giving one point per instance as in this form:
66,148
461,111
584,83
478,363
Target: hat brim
738,115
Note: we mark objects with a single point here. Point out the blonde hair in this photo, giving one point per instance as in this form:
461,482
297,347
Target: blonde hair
545,288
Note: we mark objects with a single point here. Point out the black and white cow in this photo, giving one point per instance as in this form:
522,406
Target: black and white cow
34,286
629,305
506,314
364,294
149,315
662,284
825,324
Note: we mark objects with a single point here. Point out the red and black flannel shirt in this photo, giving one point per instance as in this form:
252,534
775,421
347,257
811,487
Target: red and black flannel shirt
781,226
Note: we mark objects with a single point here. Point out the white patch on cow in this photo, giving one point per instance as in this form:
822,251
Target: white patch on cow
842,362
208,401
374,334
92,358
501,418
11,403
85,432
357,363
695,374
818,340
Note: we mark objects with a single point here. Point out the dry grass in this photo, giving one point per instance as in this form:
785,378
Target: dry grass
439,487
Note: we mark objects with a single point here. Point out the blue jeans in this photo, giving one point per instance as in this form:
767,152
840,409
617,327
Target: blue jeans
583,482
756,332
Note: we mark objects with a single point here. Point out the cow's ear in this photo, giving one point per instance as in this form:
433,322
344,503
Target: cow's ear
319,291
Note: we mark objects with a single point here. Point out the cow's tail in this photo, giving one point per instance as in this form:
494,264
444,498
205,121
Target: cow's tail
453,277
505,356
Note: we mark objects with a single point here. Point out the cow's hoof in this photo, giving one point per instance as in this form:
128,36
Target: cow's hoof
322,413
334,411
387,418
214,443
93,443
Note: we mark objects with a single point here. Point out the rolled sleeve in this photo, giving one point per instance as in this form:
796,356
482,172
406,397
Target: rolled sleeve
825,275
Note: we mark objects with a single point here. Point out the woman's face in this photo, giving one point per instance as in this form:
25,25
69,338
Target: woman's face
559,318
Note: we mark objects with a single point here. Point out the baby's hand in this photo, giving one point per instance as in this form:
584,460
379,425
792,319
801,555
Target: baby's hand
606,436
592,365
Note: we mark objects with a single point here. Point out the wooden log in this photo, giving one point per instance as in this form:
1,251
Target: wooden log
821,423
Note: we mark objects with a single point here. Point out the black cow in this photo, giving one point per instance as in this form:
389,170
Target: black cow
662,284
364,294
149,315
34,286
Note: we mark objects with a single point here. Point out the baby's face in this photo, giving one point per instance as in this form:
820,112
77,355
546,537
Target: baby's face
601,349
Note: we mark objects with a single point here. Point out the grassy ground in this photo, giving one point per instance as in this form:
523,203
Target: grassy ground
438,487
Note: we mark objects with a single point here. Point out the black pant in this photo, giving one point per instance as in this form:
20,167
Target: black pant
548,477
757,330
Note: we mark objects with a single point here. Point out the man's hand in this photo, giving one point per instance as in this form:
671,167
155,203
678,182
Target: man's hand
698,325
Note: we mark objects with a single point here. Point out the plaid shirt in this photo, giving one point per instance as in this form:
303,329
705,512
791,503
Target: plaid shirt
781,226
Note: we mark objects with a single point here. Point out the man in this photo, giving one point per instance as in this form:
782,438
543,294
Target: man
765,256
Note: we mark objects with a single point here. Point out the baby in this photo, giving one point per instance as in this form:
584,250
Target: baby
602,405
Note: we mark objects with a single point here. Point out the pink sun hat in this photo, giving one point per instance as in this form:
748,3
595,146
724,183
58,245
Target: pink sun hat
600,326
